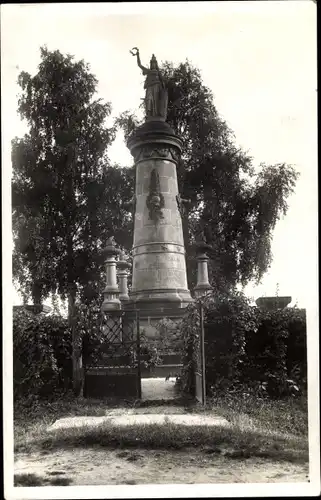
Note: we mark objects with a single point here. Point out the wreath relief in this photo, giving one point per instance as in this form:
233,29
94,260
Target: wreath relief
155,200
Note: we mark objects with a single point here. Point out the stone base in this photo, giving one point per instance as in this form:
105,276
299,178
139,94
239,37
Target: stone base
157,309
173,299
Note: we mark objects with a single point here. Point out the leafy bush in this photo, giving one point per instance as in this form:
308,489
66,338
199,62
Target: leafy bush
227,319
276,353
246,349
43,347
190,332
41,355
149,355
166,340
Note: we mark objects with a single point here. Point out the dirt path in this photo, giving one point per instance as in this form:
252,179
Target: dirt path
97,466
158,388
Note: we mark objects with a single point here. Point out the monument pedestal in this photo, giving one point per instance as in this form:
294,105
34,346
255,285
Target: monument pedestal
159,281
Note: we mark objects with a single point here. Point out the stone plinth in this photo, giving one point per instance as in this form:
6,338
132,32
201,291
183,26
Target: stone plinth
273,303
159,271
34,309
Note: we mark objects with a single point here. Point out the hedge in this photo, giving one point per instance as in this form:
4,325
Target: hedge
246,348
42,351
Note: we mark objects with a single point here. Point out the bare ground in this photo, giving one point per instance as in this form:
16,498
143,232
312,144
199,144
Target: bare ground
97,466
100,464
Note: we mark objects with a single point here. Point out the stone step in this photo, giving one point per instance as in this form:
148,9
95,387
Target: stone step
139,419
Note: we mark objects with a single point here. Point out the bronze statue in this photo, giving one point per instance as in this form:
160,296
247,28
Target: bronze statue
156,98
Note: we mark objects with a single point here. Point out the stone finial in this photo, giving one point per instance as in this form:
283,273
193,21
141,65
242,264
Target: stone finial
203,286
123,261
111,244
111,241
123,267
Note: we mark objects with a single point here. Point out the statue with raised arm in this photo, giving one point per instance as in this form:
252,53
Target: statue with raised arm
156,98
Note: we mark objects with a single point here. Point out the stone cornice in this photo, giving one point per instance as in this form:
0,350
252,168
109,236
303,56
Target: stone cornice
153,139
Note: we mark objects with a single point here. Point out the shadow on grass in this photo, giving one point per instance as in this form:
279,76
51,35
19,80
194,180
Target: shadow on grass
240,443
34,480
60,481
29,480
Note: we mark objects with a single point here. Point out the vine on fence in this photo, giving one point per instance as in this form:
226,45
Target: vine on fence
246,349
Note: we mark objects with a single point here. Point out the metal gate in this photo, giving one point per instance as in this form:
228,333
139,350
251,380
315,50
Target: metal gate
199,359
112,361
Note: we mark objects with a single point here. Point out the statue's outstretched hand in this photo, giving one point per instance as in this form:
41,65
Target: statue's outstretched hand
134,53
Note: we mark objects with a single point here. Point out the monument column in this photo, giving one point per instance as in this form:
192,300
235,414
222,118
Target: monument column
159,271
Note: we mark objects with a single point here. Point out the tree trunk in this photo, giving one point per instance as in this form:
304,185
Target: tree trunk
77,375
36,294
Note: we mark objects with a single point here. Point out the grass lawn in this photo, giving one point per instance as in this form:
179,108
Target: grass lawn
264,429
287,416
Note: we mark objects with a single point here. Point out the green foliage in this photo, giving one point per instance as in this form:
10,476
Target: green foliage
43,347
226,321
41,355
286,416
28,479
167,340
190,332
268,352
232,442
67,199
232,202
233,205
90,332
149,352
247,350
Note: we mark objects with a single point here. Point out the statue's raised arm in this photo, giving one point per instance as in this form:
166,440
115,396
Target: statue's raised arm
139,64
156,92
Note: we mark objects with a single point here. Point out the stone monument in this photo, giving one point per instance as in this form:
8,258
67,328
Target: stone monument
159,281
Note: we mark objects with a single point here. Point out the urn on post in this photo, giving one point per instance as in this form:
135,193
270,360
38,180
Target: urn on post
111,291
203,286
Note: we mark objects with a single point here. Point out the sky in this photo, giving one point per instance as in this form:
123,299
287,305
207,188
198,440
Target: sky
258,58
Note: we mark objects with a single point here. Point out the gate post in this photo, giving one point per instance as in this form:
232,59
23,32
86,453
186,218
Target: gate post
202,349
139,384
